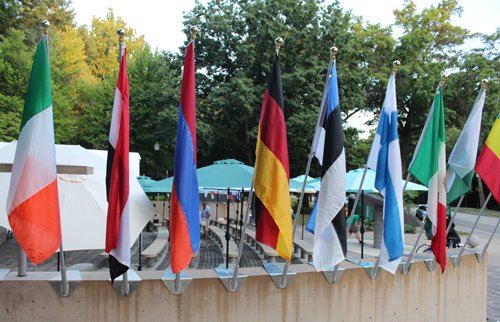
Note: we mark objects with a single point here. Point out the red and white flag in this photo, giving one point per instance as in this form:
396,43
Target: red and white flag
117,179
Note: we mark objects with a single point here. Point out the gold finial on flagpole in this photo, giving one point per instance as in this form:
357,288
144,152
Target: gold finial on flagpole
396,65
333,51
194,31
121,34
444,78
279,42
484,82
45,26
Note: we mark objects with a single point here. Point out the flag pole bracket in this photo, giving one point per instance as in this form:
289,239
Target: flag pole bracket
133,282
402,267
455,259
276,273
74,279
429,261
368,266
226,276
3,274
169,280
333,274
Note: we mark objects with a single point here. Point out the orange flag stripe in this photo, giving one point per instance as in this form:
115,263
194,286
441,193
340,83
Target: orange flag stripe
38,233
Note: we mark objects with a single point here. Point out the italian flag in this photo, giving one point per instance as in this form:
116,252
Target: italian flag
429,167
32,202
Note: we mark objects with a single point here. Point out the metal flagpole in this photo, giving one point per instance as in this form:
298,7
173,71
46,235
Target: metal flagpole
312,151
240,248
177,284
228,237
64,279
121,35
460,254
489,241
408,262
454,214
353,210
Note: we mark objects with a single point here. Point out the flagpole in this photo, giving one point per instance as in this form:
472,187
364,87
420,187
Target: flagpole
240,248
484,82
177,283
460,254
121,36
64,279
489,241
353,209
408,262
454,214
333,52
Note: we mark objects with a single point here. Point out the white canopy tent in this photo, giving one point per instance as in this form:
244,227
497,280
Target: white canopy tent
82,198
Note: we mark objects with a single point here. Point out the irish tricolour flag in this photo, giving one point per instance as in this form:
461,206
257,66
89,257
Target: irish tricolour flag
33,203
429,167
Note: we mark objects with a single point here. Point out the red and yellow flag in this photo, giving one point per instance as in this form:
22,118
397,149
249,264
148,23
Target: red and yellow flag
489,161
271,175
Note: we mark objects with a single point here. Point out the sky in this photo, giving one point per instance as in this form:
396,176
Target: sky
160,21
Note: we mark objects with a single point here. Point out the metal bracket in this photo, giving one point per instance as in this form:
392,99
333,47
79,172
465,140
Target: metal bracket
133,282
479,254
429,262
276,272
74,279
3,274
455,259
331,275
402,266
226,275
368,267
169,280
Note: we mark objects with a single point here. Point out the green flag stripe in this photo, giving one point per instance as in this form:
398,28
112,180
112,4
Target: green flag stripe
38,96
426,163
459,187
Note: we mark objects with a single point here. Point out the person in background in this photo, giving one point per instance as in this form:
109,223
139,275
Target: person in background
354,228
206,215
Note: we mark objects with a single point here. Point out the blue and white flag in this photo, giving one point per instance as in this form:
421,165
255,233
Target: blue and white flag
330,243
385,159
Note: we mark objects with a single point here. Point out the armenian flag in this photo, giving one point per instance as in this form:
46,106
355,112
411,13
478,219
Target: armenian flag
185,202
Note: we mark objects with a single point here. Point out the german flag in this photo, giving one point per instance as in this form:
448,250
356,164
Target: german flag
271,175
489,161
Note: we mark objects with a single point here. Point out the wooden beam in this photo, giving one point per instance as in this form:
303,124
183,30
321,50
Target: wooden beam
61,169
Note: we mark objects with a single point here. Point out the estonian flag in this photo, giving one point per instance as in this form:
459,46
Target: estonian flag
330,245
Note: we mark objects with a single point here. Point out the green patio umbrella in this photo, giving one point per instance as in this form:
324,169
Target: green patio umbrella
145,182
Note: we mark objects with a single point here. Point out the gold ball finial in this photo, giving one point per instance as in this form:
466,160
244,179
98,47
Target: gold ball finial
194,31
278,41
396,65
45,26
484,83
121,33
444,78
333,51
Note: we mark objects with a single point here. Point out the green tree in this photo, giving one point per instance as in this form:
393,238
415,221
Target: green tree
15,66
101,43
235,49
